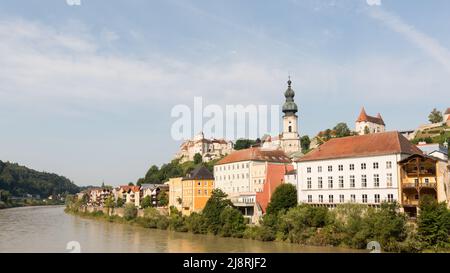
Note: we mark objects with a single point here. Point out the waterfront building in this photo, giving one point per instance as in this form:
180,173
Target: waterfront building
244,173
98,196
369,124
359,169
153,191
446,116
209,149
197,187
176,192
423,175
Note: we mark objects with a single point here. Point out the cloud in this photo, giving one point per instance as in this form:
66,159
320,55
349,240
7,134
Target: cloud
428,44
373,2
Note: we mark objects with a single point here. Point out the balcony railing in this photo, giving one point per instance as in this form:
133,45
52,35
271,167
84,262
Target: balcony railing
420,185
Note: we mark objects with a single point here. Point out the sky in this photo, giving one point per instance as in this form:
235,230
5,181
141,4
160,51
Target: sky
86,91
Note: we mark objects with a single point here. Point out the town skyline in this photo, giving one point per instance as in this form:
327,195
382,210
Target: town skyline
94,103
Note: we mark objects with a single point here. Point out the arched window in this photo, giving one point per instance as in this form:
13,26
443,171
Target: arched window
290,129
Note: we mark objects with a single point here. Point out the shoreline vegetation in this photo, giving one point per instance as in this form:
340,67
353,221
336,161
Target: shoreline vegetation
29,203
348,225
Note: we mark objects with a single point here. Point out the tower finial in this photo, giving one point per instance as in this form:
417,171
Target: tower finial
289,80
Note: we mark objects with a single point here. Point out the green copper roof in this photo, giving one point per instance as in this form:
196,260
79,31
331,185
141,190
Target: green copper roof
289,107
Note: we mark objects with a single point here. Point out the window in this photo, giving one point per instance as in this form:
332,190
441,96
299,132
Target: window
363,166
353,198
341,181
340,167
308,182
330,182
364,181
319,183
206,183
389,179
199,192
352,181
388,165
377,198
375,165
330,198
319,169
308,170
341,198
330,168
427,180
376,180
390,198
199,183
364,198
352,167
320,198
309,198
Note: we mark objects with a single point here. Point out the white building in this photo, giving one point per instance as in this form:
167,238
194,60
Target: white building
434,149
366,123
360,169
209,149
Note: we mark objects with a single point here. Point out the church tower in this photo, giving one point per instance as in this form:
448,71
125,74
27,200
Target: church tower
290,138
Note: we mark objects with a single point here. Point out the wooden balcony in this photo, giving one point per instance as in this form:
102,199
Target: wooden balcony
430,185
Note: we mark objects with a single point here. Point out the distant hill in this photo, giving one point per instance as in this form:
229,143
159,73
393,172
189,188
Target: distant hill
20,180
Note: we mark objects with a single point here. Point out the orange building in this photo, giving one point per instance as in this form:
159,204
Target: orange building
197,188
274,177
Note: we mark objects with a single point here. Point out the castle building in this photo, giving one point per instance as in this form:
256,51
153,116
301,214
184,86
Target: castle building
209,149
366,124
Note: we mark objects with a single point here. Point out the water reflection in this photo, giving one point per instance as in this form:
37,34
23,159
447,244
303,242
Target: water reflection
49,229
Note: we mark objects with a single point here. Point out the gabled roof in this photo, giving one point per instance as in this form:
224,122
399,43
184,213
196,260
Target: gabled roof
361,146
199,173
256,154
364,117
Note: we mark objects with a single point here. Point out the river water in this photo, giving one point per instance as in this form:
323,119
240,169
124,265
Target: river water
49,229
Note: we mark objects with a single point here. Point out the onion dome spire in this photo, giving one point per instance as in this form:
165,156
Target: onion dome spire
289,107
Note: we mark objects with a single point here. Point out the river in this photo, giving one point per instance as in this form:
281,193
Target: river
49,229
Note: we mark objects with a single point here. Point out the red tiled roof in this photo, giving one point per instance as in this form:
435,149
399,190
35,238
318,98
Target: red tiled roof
256,154
447,112
364,145
364,117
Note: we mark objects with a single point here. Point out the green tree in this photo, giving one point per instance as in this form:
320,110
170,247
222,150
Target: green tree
233,224
198,158
131,184
163,199
146,202
130,212
4,196
305,142
366,130
284,197
110,203
342,130
433,223
214,208
243,144
435,116
120,202
196,223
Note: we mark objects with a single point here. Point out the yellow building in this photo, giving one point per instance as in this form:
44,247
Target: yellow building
176,192
197,187
423,175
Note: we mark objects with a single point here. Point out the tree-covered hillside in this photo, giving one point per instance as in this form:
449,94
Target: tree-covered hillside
19,180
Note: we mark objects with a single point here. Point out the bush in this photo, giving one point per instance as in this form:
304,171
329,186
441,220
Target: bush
130,212
163,222
265,233
177,222
434,223
232,223
195,223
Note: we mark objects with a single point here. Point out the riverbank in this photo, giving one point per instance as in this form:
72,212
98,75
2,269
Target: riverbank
28,203
329,235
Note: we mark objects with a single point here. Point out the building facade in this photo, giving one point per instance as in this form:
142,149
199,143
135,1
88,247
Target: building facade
358,169
423,175
176,192
366,124
244,173
196,190
209,149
